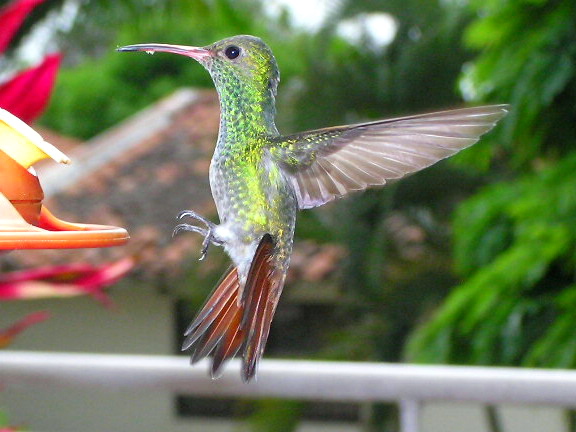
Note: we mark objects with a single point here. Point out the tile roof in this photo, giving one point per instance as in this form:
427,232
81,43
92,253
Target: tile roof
137,175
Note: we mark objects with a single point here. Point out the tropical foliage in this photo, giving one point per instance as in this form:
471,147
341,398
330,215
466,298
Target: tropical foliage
515,240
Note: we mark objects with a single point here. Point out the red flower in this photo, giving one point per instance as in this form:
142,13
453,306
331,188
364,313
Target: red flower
27,93
68,280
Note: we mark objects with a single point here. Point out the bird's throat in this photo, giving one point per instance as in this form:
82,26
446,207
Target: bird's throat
245,115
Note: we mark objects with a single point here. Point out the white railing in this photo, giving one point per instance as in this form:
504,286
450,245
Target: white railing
408,385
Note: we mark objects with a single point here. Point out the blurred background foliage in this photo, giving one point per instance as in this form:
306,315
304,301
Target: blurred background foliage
469,262
514,240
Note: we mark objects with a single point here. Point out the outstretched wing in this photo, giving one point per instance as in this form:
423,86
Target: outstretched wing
325,164
228,324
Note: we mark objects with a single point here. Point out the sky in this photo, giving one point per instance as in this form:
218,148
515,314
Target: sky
378,28
306,14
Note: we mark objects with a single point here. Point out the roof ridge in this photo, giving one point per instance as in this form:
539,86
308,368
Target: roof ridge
108,145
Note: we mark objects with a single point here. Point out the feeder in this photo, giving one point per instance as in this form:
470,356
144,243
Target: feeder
25,223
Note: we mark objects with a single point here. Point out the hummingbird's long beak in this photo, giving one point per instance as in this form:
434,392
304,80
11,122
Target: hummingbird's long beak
189,51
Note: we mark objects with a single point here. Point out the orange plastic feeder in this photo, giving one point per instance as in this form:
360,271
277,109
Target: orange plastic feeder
26,224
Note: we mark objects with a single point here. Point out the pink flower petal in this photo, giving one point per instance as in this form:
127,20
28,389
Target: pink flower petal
65,272
64,281
27,94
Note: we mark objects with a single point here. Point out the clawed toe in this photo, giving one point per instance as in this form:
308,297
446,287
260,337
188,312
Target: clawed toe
206,244
208,232
188,227
192,214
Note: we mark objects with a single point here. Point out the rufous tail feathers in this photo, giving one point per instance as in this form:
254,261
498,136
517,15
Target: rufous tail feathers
225,325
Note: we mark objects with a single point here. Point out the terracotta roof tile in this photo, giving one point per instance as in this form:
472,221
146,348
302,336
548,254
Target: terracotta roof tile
142,187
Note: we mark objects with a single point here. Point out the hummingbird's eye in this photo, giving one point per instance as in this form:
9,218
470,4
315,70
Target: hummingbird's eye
232,52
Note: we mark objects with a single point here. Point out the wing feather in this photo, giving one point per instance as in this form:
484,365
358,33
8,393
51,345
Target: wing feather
328,163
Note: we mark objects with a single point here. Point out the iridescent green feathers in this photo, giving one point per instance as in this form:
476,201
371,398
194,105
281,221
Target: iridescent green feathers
247,86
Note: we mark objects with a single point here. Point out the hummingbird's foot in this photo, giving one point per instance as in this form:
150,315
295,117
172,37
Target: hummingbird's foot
208,232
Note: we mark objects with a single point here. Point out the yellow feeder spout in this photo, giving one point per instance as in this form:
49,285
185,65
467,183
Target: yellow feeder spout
24,144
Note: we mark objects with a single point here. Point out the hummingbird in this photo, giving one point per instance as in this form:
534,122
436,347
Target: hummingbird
260,179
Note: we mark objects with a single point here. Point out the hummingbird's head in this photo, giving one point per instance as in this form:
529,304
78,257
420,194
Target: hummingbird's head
244,63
